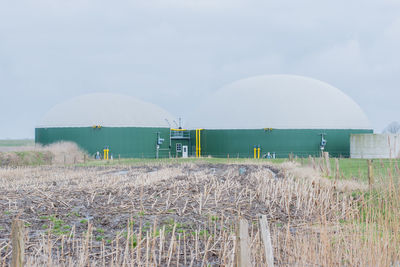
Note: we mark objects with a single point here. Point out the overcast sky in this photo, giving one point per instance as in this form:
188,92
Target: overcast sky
175,52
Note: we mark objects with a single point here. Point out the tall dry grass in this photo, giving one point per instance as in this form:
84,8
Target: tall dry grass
185,215
63,152
57,154
369,235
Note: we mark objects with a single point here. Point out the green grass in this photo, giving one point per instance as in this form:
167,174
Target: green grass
139,161
17,142
100,230
57,226
357,169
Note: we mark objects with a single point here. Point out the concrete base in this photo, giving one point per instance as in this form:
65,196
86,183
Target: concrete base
370,146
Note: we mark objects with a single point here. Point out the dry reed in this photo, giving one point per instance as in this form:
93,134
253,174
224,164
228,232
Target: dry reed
186,215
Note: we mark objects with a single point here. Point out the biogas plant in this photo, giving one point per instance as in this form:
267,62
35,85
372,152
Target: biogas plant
271,116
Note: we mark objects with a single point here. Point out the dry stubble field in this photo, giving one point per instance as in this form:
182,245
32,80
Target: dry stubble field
185,215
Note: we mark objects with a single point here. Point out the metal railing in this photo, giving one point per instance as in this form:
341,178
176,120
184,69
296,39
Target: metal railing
183,134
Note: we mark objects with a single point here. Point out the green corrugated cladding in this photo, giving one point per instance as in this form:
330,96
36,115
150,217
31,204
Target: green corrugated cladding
133,142
282,142
139,142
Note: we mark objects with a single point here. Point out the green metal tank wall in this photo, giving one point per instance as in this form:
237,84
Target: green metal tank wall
132,142
300,142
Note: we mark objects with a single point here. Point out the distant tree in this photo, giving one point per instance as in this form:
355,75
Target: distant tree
392,128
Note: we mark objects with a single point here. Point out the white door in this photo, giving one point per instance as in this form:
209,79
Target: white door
184,151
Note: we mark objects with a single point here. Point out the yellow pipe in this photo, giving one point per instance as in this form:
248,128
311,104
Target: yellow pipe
258,150
255,152
181,130
197,144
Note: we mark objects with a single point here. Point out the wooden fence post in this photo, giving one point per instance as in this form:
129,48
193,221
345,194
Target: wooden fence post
18,245
313,163
327,164
266,239
337,174
370,172
242,254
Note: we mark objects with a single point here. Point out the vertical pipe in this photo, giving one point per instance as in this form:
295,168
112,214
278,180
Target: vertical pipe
255,152
170,139
197,144
258,151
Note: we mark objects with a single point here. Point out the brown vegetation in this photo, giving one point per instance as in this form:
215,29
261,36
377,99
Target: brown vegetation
186,215
56,154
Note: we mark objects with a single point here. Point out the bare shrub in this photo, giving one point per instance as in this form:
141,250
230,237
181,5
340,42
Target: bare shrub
63,152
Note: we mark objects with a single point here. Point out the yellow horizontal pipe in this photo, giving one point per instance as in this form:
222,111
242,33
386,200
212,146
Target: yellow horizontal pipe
179,130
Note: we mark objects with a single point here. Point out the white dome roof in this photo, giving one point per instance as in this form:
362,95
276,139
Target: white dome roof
281,102
106,109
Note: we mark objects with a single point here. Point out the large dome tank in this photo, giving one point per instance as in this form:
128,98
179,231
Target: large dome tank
119,124
280,102
106,109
